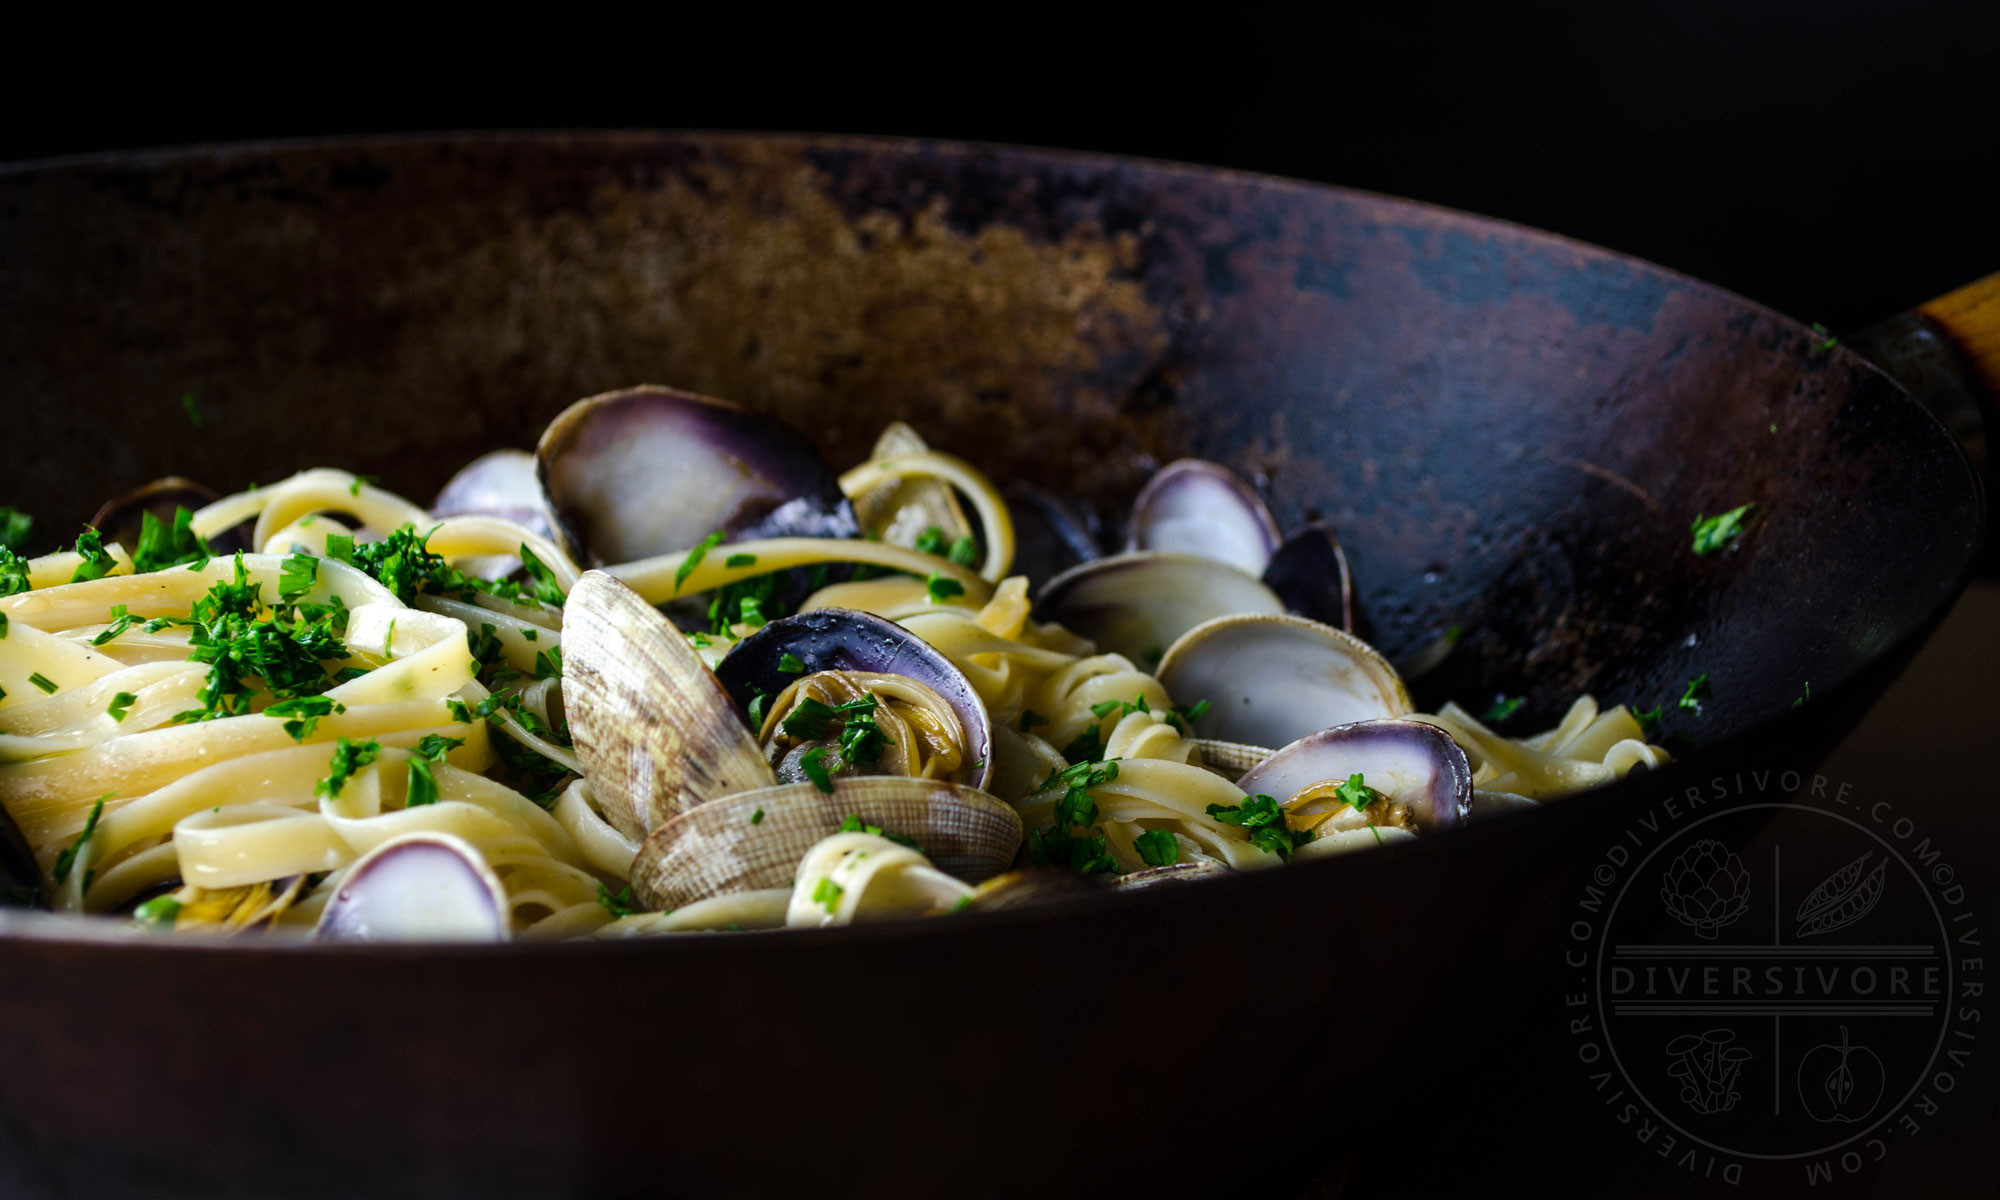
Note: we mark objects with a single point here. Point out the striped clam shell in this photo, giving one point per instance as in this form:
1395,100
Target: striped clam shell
656,732
755,839
1231,760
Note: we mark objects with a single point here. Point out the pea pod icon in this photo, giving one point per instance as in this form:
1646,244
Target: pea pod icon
1843,897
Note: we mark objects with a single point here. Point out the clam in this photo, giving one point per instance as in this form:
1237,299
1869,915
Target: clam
755,840
1193,506
122,518
1309,573
430,887
1050,536
656,733
1032,887
1229,759
837,655
1185,871
1417,768
1138,603
501,484
1271,679
899,511
650,470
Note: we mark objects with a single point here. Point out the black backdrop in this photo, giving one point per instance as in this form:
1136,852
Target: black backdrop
1827,158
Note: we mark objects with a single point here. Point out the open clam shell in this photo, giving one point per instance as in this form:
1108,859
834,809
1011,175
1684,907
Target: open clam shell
1186,871
841,639
900,510
651,470
657,734
421,887
1032,887
1409,762
501,484
755,840
1137,604
1050,535
1193,506
1271,679
121,518
1309,573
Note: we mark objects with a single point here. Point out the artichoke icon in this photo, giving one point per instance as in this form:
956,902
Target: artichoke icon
1706,887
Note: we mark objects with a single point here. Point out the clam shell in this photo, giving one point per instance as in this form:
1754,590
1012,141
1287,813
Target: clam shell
1193,506
1180,872
1309,573
1410,762
1031,887
1230,759
1050,535
653,470
656,732
1272,679
717,848
900,510
421,887
1137,604
501,484
842,639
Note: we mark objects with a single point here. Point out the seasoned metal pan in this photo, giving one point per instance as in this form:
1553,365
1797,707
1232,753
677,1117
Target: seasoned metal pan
1512,432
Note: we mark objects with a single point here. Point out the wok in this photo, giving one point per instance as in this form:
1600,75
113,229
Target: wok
1511,431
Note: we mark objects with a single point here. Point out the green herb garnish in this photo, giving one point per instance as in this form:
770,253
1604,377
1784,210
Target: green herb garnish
757,818
619,905
97,562
348,757
299,574
791,664
15,526
43,682
1158,847
423,785
1801,701
1356,793
1697,691
1262,816
740,560
542,580
67,859
694,556
304,713
1712,533
827,895
1030,718
942,588
13,573
1503,707
157,912
121,706
163,545
813,763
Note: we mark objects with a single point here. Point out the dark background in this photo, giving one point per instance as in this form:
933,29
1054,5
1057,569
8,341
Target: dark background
1829,158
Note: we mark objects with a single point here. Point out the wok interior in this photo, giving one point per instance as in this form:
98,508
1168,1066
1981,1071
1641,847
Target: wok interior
1511,432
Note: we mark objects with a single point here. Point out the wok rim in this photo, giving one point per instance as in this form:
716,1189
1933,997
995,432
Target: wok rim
88,932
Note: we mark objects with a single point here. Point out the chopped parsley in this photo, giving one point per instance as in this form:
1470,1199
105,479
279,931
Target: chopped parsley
1183,716
192,409
548,663
43,682
300,573
541,582
284,652
1356,793
3,627
740,560
1030,718
1697,691
305,713
121,706
97,562
695,554
1060,845
435,746
1713,533
530,634
15,526
121,620
942,588
1158,847
1084,747
162,545
13,573
423,787
758,704
1503,707
1830,340
752,601
1120,707
791,664
813,763
1798,703
348,757
964,551
619,905
757,818
827,896
403,563
1261,815
67,859
1649,721
159,911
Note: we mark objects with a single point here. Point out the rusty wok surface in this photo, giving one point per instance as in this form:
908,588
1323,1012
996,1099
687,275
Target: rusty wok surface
1511,431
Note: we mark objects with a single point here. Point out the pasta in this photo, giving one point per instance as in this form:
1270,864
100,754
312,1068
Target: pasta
246,717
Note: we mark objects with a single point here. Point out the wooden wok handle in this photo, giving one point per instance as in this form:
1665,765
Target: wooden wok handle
1947,352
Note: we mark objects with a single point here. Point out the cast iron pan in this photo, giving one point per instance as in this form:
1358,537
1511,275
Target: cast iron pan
1511,431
